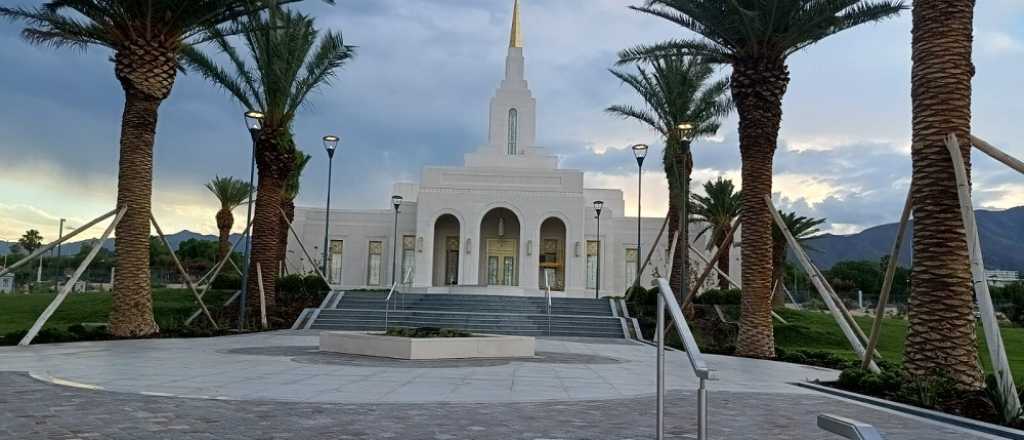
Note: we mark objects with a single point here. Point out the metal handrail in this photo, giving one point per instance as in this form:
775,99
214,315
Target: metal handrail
387,300
666,299
547,296
848,428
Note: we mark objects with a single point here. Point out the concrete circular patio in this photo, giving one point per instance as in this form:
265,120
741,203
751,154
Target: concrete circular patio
274,385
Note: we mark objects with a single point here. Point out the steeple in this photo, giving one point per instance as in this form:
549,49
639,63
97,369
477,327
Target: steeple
516,37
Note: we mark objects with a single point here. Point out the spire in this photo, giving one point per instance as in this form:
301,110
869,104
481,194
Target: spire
516,38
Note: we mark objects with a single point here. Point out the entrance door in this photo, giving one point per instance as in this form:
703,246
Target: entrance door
501,262
451,261
552,264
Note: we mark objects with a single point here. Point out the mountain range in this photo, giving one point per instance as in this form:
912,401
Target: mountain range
1001,232
72,248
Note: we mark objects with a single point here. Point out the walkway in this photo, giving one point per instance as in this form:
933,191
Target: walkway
273,386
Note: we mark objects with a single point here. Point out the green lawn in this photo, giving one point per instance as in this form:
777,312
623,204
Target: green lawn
171,307
818,331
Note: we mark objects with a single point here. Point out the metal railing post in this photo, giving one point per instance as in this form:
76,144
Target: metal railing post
702,410
660,336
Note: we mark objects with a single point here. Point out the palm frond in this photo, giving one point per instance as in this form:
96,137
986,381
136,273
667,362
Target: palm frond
231,192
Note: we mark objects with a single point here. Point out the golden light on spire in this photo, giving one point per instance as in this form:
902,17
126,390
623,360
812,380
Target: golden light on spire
516,39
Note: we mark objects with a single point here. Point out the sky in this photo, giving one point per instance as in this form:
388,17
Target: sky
417,95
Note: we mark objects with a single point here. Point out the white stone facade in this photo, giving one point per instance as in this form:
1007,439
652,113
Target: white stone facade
495,225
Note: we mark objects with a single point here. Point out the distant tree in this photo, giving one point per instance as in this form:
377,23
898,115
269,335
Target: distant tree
31,240
855,275
802,228
717,210
196,250
676,90
287,60
231,193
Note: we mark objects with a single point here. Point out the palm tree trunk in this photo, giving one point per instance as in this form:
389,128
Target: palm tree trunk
757,88
942,325
274,162
723,261
677,169
288,206
778,270
225,220
132,309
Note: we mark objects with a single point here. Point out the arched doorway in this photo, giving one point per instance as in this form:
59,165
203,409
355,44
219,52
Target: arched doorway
446,250
499,248
552,253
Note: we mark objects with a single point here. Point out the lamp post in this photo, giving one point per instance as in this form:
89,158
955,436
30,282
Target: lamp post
330,144
598,207
686,134
254,123
640,152
397,202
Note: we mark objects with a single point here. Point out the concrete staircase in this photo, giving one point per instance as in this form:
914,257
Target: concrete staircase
508,315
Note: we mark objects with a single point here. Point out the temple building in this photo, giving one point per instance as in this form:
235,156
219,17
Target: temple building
507,222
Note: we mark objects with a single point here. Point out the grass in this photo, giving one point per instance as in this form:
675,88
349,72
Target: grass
170,306
819,332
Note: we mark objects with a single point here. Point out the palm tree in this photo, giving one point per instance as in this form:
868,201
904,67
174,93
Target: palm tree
676,90
291,191
717,211
942,334
756,37
802,229
290,59
147,37
231,193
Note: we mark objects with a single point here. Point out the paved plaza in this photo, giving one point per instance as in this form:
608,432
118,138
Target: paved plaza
275,385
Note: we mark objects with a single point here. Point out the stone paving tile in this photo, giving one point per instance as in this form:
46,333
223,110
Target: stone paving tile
34,410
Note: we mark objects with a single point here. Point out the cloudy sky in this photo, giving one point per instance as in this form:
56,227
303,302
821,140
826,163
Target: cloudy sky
417,94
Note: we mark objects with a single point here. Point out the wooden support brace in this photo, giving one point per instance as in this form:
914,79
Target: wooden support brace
819,284
650,253
263,297
303,247
998,154
993,335
890,272
711,264
184,274
54,244
729,279
63,294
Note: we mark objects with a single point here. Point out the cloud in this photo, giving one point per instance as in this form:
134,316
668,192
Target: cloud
417,95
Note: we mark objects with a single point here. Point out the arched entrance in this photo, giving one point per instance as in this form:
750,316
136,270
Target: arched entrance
446,250
499,248
552,253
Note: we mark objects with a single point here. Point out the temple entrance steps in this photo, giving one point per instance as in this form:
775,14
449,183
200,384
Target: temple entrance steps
507,315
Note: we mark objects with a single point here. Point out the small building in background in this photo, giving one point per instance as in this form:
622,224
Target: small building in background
1002,278
7,283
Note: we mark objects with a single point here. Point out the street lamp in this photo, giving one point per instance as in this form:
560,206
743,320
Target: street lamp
598,207
640,152
330,144
397,202
254,123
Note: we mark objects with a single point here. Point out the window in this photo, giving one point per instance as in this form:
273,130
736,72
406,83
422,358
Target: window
592,252
408,258
334,264
631,258
513,132
374,265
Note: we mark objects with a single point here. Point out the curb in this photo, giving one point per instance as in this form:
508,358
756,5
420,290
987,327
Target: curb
935,416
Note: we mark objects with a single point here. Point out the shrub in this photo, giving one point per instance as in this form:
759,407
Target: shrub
822,359
728,297
427,332
227,281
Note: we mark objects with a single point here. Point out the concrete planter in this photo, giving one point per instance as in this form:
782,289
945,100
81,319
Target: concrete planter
376,344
